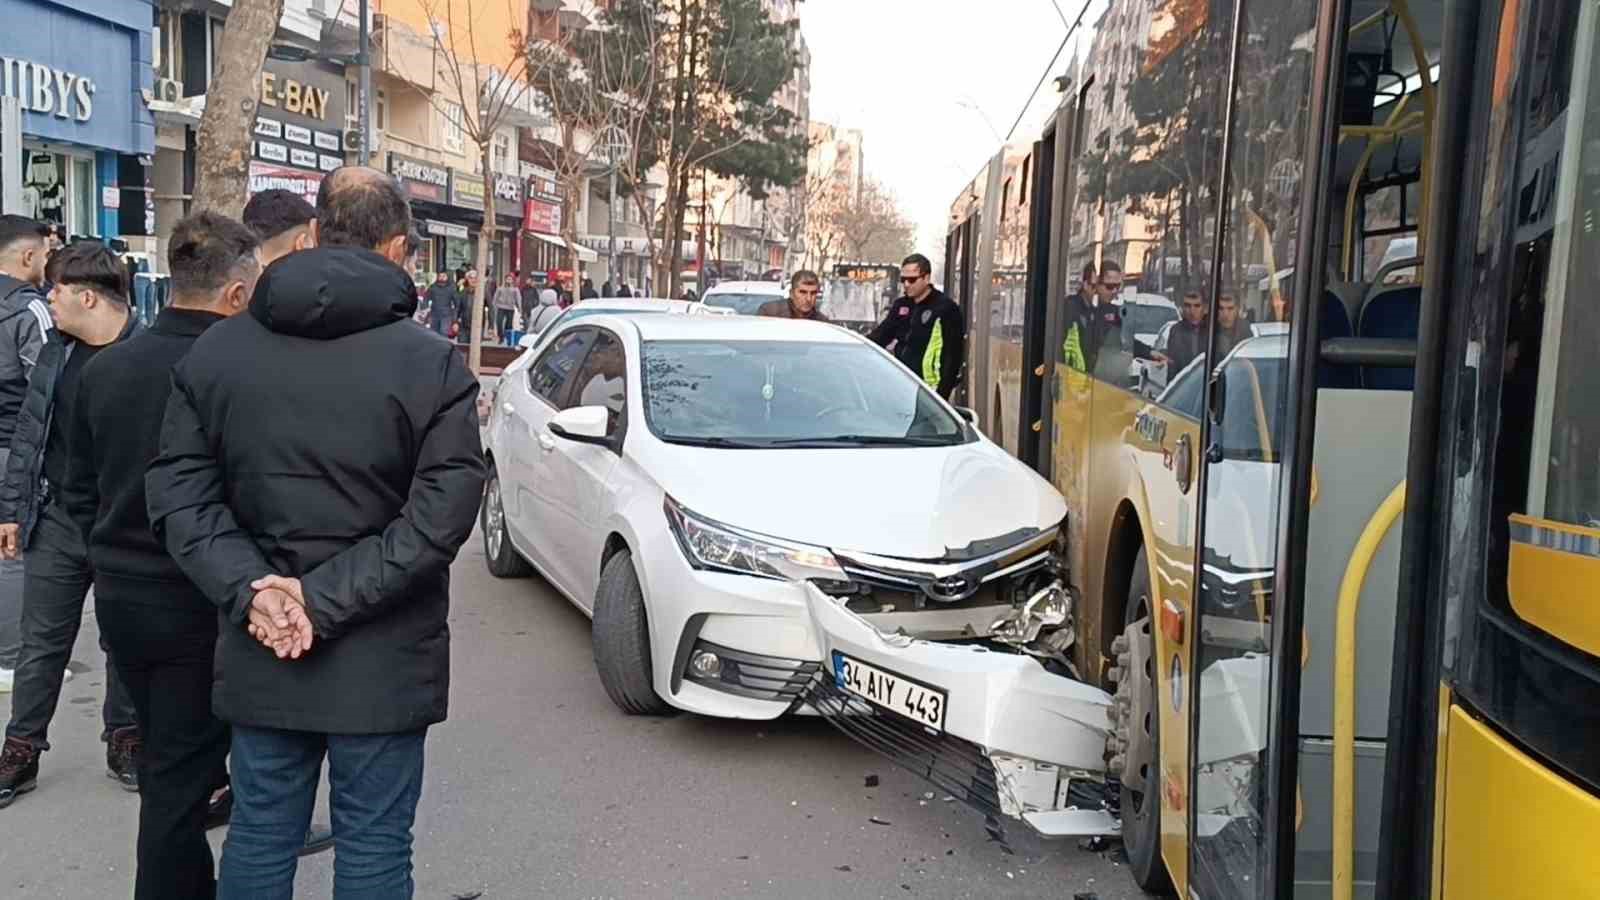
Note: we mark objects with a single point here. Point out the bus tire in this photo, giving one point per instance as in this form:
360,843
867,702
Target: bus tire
1141,811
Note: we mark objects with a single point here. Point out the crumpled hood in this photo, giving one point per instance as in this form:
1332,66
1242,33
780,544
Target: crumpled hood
911,503
331,292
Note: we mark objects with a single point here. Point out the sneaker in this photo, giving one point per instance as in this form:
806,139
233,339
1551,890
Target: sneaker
7,677
19,770
122,757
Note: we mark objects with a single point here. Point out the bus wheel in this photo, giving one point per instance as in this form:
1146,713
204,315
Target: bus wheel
1136,741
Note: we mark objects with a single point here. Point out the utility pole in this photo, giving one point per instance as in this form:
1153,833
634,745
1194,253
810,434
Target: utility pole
615,146
364,87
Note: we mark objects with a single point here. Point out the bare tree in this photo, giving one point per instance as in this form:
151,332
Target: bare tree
872,227
223,146
483,96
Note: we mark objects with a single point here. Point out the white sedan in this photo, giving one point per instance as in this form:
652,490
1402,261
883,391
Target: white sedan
692,483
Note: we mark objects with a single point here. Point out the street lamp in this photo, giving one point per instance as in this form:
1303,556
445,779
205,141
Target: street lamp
362,60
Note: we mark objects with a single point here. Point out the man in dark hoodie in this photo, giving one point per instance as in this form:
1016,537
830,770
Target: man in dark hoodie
444,304
89,304
161,630
24,320
324,523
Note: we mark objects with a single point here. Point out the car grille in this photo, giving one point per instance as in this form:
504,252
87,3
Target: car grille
894,586
754,675
954,765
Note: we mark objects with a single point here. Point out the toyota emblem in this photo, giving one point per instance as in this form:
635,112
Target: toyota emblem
951,588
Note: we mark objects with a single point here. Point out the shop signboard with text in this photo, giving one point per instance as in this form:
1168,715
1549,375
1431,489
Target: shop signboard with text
265,176
420,180
300,119
77,73
542,209
466,191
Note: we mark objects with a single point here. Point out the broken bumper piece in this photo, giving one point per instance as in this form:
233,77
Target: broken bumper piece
993,729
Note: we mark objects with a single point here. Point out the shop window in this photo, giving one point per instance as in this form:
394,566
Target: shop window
82,189
503,161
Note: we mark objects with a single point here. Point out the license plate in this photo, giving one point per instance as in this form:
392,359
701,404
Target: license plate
896,693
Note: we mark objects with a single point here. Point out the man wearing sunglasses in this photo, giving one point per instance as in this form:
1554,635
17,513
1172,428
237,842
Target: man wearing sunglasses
925,329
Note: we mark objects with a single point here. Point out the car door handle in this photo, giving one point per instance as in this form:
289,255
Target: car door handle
547,443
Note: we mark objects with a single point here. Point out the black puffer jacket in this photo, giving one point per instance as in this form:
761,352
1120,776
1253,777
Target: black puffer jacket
325,437
24,321
23,493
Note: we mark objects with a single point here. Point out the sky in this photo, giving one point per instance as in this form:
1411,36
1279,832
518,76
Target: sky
934,85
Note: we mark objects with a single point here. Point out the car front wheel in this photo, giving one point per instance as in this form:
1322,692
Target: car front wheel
622,640
504,561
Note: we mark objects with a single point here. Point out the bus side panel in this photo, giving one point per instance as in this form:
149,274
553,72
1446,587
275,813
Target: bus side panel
1542,840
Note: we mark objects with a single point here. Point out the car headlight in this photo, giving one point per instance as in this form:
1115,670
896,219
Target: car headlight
711,545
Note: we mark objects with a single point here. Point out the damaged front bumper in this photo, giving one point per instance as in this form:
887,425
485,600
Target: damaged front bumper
990,727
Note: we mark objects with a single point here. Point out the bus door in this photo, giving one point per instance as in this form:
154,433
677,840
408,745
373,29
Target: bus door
1302,448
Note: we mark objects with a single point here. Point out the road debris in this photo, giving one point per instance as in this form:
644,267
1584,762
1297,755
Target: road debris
872,781
877,821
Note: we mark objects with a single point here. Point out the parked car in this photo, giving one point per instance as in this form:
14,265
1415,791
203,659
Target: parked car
545,323
690,481
743,297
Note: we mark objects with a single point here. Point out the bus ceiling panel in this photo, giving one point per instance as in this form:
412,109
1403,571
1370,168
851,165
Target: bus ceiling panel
1429,18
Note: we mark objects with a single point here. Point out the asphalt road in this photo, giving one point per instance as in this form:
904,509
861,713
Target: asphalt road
538,787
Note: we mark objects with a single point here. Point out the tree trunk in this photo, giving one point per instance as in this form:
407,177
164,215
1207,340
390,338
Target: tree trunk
485,234
571,183
223,146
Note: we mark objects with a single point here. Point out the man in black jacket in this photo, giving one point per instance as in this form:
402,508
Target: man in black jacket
926,328
90,306
1187,339
325,523
24,320
161,630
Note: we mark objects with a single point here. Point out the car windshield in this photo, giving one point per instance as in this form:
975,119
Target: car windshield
1139,318
761,394
743,304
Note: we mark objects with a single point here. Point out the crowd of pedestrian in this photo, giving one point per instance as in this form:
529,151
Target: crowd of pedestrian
269,556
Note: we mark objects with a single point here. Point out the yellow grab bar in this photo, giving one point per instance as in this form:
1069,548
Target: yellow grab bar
1344,688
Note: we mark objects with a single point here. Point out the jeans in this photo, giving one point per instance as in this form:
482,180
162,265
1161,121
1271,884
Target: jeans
503,320
374,781
56,579
440,322
163,636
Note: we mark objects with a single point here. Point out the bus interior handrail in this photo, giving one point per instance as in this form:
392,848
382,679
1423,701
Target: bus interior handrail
1344,686
1382,353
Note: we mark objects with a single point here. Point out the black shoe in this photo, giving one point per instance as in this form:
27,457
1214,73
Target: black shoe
19,770
220,809
318,838
122,757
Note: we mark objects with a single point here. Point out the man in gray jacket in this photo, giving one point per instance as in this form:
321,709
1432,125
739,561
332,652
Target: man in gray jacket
24,319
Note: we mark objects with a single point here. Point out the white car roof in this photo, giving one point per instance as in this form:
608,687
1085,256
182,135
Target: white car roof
747,287
1267,346
1143,300
628,304
735,328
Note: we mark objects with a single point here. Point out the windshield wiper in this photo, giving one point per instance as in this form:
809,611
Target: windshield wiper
866,440
719,442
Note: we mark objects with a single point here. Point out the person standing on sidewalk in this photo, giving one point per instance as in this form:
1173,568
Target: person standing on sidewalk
162,632
24,321
282,221
444,303
506,299
324,528
90,306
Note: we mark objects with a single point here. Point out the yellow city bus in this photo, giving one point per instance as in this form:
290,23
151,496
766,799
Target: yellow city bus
1343,570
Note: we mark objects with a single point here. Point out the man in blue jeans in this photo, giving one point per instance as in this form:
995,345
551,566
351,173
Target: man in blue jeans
322,524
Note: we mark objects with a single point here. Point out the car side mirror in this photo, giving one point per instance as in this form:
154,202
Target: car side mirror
582,424
527,341
1218,388
968,413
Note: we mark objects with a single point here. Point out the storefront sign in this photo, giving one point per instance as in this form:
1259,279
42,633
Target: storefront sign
298,103
508,195
264,176
47,91
294,96
466,190
542,208
77,74
446,229
111,197
420,180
